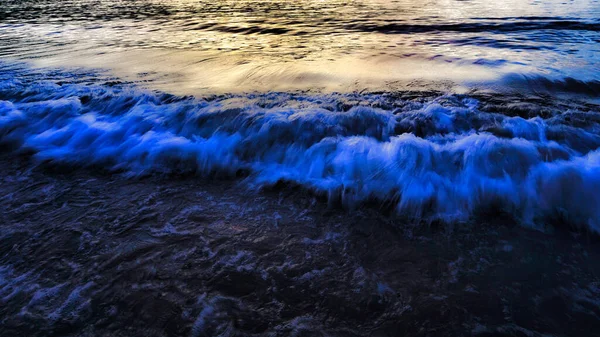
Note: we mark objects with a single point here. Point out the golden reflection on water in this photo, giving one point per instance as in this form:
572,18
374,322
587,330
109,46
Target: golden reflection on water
191,46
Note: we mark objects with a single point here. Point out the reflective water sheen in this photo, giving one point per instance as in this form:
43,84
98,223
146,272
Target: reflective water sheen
191,46
299,168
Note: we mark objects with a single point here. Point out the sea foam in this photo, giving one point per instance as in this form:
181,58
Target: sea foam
431,159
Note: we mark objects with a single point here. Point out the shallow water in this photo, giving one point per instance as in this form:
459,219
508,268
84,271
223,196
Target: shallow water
201,47
304,168
89,254
429,157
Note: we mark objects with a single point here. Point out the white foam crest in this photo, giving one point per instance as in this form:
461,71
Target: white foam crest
439,160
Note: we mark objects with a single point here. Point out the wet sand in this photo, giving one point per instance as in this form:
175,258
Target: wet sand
84,253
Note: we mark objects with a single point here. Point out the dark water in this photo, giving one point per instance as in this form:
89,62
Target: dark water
91,254
299,168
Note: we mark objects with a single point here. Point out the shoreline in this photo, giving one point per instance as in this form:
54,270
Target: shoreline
89,253
299,168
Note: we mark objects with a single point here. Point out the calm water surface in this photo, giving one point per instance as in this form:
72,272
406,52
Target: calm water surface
191,46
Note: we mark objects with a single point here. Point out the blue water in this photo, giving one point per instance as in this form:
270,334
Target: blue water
439,110
435,158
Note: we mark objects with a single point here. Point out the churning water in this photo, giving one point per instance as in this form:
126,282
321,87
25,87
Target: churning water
433,155
434,111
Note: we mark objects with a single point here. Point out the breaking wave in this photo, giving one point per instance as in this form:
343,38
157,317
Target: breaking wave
440,158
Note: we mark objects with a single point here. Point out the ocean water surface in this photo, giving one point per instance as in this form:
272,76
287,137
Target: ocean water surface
311,92
137,131
199,47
